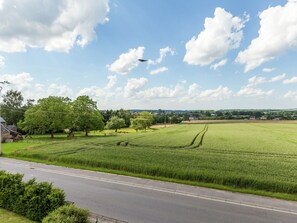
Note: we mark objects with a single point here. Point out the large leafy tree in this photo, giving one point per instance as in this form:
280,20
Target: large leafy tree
143,120
115,123
85,115
11,107
48,115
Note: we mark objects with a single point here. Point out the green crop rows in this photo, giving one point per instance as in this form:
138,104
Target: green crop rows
257,156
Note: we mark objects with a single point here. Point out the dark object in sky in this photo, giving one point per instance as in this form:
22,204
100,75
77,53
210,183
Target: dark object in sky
142,60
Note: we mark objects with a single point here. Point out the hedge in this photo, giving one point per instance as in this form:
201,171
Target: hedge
30,199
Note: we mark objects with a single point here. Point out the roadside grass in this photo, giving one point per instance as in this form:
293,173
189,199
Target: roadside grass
9,217
259,158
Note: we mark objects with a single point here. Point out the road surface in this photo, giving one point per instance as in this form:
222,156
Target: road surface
146,201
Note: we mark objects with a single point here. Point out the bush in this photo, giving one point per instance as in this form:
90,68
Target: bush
32,200
68,214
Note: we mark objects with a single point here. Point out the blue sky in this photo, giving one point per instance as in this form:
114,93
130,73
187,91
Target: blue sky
215,54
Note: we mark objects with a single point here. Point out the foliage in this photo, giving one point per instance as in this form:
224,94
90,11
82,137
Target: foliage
48,115
85,116
115,123
32,200
142,121
68,214
11,108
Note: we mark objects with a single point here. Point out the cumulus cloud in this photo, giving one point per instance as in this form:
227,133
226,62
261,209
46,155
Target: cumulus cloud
59,90
2,61
268,70
292,80
221,33
219,64
277,33
162,92
278,78
256,80
55,25
112,80
133,85
252,91
127,61
158,70
291,95
163,53
194,94
20,81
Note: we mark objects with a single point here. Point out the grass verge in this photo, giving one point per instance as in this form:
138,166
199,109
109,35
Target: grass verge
9,217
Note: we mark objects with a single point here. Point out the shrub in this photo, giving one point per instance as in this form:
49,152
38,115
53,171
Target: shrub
68,214
32,200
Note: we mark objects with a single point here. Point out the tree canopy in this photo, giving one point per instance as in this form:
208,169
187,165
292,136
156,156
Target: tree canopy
48,115
85,115
115,123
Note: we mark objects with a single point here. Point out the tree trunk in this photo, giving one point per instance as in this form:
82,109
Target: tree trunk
86,133
116,130
52,134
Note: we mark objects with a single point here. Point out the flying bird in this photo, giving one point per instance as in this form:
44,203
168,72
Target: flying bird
142,60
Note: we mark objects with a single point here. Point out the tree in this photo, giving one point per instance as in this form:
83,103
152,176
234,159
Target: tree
85,115
143,120
11,108
115,123
124,114
48,115
138,123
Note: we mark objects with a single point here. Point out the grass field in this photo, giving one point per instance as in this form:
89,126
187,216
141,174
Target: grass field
248,156
9,217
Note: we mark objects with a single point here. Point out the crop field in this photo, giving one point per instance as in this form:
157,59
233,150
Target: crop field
252,156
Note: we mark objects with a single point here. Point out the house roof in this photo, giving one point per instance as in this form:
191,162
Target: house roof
2,120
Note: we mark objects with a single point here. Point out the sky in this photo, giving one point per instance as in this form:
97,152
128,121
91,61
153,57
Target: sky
215,54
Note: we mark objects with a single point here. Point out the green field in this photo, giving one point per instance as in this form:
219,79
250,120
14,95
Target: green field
246,156
9,217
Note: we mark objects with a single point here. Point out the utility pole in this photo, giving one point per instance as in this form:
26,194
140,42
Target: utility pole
1,87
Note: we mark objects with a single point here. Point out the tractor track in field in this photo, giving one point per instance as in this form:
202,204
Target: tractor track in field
203,132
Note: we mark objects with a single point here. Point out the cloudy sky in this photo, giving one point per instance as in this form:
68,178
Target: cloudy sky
214,54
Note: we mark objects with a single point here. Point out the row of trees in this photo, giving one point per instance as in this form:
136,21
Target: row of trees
55,114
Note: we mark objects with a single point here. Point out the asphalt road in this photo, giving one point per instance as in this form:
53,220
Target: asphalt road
139,200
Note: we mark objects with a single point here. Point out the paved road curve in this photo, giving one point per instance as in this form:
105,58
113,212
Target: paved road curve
140,200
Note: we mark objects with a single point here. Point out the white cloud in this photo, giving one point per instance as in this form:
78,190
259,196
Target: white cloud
55,25
112,80
252,91
293,80
219,64
158,70
268,70
277,33
20,81
162,92
133,85
221,33
2,61
163,53
59,90
291,95
278,78
127,61
256,80
194,94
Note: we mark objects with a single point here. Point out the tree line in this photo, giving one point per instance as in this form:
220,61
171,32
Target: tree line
56,114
